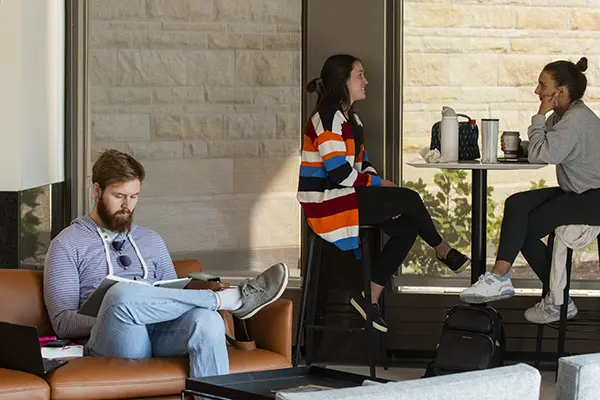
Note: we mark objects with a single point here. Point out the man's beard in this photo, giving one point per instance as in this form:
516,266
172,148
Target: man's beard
117,222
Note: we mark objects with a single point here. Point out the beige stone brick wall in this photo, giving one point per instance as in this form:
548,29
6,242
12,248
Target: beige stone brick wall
206,94
483,57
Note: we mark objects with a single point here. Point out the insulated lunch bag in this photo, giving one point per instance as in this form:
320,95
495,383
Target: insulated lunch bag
468,136
472,339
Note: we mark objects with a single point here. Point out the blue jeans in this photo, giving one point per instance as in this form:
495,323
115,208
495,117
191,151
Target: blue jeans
140,321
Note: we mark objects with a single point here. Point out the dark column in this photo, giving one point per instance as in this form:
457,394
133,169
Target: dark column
10,229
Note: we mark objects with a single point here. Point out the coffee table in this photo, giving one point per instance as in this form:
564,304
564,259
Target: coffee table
264,384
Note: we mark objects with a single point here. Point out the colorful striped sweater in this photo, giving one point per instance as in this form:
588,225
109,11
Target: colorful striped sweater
329,172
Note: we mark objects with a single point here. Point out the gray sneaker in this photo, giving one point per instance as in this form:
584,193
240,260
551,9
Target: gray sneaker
262,290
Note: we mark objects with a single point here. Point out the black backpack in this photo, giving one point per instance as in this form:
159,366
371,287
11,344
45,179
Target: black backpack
472,339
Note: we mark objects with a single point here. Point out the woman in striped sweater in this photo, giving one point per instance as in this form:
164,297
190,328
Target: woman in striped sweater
339,190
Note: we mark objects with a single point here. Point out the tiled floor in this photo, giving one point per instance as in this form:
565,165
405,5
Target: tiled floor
404,374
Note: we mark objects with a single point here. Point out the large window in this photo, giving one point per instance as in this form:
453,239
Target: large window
483,60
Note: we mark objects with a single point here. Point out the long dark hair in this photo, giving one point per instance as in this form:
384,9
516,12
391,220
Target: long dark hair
565,73
330,86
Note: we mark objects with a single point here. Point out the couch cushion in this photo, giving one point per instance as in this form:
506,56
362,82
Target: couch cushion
17,385
113,378
255,360
21,299
578,377
185,267
515,382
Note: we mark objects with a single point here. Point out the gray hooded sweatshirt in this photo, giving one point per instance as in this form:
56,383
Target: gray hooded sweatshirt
572,143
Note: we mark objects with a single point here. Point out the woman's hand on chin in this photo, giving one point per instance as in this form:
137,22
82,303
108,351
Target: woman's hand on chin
547,103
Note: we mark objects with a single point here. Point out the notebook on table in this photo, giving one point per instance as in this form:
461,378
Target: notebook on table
517,160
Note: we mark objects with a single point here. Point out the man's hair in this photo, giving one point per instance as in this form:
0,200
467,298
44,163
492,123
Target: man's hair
115,166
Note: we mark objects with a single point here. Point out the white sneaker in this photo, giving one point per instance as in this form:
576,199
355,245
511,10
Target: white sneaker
488,287
546,312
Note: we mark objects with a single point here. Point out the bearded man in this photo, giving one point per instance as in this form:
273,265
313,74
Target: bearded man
134,320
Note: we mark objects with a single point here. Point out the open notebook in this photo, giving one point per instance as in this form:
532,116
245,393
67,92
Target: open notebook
92,304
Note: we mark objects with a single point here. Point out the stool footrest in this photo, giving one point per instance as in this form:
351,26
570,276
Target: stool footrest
318,327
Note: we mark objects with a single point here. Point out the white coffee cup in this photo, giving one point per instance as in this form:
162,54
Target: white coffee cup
512,141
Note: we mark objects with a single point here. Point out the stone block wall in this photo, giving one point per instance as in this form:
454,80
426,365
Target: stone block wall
483,57
206,94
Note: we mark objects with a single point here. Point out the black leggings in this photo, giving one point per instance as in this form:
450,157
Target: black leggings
530,216
378,206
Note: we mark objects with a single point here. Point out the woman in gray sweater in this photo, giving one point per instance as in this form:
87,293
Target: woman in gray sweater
569,139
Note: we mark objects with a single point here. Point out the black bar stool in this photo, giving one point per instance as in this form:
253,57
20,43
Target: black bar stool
370,239
562,323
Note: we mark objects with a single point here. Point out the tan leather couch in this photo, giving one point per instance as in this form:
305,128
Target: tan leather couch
22,302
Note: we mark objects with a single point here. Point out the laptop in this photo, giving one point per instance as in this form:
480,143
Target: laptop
20,350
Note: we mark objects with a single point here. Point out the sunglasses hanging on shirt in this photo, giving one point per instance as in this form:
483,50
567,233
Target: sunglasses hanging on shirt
123,259
118,246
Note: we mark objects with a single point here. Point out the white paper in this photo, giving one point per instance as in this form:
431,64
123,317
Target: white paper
431,156
63,352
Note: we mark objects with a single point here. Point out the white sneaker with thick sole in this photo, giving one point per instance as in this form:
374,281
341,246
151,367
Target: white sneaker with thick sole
488,287
546,312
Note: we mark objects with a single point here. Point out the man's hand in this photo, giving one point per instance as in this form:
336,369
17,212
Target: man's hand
386,183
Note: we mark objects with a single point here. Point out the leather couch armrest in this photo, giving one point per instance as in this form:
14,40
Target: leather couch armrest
186,266
271,328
